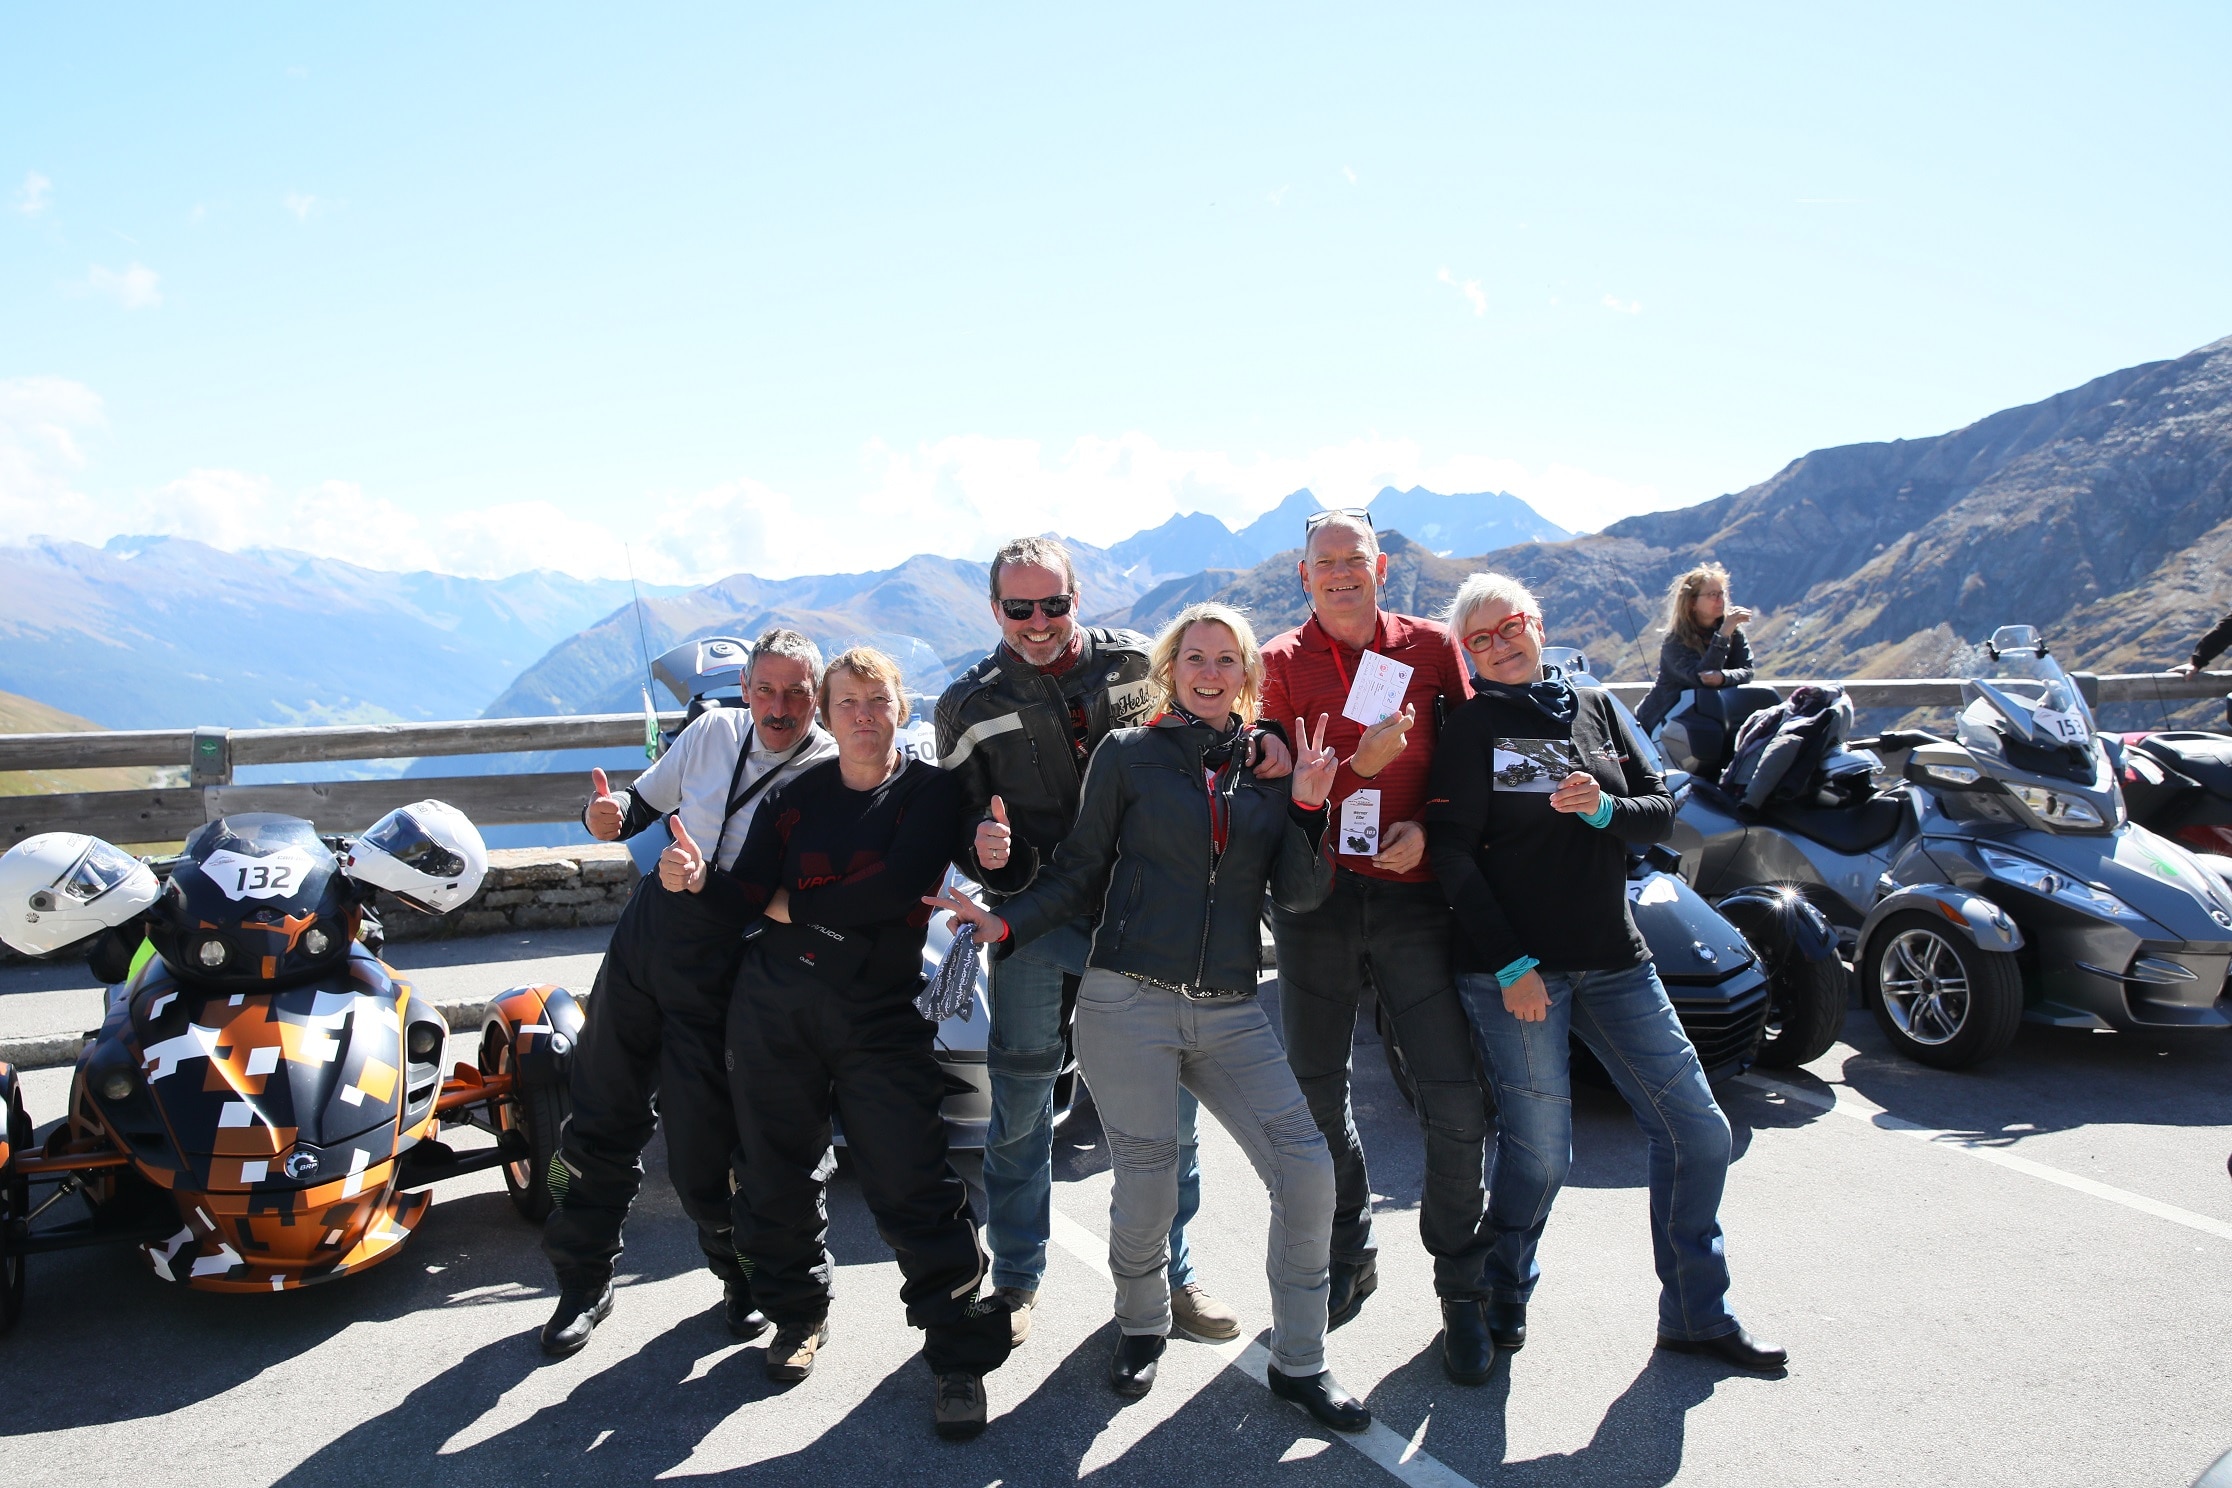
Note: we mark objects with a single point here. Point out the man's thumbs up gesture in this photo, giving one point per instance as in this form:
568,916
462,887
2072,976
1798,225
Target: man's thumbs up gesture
605,812
994,841
682,866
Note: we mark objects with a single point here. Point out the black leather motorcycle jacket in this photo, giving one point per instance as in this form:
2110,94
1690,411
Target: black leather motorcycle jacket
1004,728
1173,909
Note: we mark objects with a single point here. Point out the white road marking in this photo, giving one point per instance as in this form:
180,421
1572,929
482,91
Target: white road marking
1842,1102
1376,1443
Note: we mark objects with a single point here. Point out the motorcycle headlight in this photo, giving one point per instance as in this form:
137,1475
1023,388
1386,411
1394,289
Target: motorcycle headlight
2054,884
2055,808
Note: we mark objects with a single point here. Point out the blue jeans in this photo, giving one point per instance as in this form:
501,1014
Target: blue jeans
1025,1054
1626,1021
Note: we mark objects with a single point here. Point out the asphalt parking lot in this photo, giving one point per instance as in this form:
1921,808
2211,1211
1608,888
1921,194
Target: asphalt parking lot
2020,1275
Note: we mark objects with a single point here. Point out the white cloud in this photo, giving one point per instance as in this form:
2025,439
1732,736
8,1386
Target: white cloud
1278,198
1350,172
1469,288
42,423
960,496
302,204
1624,307
37,192
133,287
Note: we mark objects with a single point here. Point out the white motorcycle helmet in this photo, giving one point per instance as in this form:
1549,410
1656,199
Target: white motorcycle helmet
428,854
59,887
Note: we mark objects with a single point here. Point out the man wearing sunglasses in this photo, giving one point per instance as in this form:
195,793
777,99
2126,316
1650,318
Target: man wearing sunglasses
1018,727
1386,923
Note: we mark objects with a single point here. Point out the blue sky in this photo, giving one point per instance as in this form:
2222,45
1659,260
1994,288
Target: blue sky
811,288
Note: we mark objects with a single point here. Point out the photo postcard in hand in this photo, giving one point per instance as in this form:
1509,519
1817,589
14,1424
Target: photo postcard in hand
1534,766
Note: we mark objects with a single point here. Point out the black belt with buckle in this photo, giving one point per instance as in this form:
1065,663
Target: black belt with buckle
1193,994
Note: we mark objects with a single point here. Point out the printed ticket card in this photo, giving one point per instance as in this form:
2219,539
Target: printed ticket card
1378,689
1360,823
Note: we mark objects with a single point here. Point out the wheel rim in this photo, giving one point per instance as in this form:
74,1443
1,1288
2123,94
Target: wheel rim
520,1175
1925,986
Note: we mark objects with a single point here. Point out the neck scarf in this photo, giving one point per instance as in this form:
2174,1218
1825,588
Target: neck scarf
1554,698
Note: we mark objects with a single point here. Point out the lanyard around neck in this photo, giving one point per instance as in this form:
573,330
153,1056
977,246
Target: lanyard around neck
1333,644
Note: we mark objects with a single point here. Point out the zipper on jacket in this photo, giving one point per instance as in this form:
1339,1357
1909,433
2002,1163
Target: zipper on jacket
1209,915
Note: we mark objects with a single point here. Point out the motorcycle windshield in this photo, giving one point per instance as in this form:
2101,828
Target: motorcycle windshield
2049,710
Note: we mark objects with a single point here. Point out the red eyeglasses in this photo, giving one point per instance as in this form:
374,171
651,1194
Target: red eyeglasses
1508,632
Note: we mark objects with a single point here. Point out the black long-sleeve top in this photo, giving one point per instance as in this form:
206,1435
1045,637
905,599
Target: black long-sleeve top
856,861
2212,645
1523,879
1727,652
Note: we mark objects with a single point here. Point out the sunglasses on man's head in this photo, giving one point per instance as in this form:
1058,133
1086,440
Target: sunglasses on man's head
1508,632
1054,607
1354,513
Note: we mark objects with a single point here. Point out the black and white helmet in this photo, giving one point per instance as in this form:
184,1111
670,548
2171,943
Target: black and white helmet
59,887
428,854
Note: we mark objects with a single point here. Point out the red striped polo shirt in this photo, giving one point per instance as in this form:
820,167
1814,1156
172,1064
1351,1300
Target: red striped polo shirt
1303,677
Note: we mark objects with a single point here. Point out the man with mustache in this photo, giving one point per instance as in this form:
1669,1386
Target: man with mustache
651,1053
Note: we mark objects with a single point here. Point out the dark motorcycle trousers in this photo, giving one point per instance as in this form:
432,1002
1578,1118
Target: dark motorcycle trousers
800,1052
650,1056
1394,937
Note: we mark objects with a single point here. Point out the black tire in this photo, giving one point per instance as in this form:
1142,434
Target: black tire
1805,998
15,1203
536,1113
1946,1002
1805,1011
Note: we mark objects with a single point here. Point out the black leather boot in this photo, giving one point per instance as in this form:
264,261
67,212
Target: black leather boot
1738,1348
1351,1283
579,1311
1131,1373
1468,1353
1507,1325
1322,1396
744,1320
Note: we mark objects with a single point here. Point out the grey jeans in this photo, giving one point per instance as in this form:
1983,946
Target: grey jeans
1139,1044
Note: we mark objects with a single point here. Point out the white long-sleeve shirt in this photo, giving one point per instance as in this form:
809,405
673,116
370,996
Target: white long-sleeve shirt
693,776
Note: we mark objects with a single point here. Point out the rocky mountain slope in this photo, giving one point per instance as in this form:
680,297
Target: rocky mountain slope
2103,515
1468,523
170,633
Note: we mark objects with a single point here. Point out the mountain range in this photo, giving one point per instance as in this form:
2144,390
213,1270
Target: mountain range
165,632
2102,514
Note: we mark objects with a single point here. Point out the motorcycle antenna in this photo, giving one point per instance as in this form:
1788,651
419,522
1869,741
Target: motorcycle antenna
643,645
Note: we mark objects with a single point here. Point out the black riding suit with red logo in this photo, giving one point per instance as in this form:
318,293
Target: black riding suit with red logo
650,1055
823,1022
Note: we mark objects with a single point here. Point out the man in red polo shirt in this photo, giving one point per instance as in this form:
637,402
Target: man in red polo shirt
1386,921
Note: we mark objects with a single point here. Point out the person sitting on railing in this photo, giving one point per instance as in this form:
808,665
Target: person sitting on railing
658,1014
1705,648
2208,648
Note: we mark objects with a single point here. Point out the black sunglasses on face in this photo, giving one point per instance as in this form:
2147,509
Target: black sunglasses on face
1054,607
1355,513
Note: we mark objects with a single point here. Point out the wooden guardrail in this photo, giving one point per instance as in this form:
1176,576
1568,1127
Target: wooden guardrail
212,754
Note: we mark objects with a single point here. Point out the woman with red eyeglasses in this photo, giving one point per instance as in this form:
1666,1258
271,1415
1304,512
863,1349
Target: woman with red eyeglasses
1539,788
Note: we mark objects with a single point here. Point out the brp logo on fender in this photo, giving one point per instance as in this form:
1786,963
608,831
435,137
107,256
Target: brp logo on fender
302,1164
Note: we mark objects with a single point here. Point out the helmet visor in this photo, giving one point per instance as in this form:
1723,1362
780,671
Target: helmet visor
103,867
400,836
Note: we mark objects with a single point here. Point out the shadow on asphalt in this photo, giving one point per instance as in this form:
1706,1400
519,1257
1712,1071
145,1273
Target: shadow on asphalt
2050,1080
100,1315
